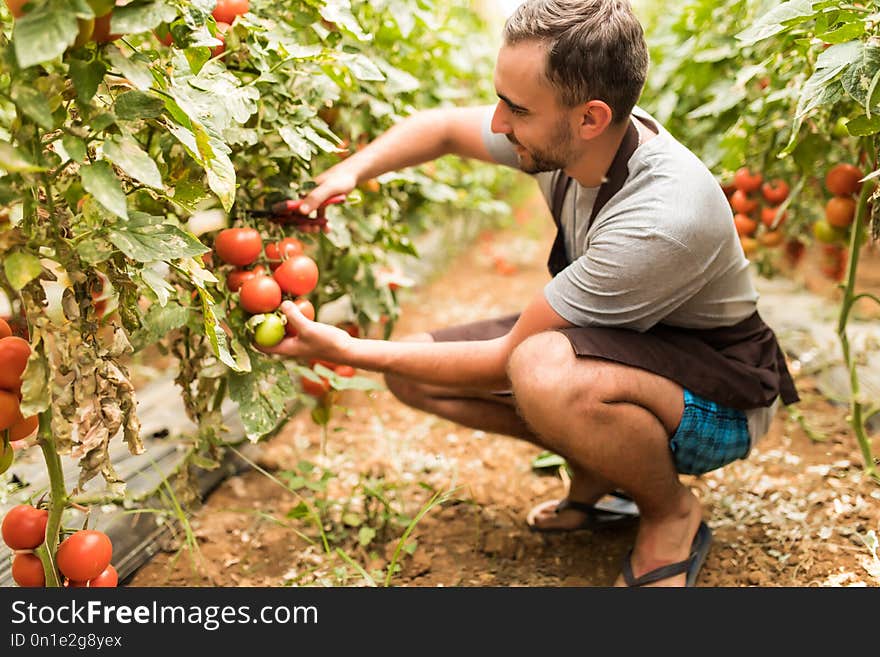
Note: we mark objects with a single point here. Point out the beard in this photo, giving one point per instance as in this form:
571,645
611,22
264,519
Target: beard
556,155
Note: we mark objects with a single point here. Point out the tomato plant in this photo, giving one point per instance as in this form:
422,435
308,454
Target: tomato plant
24,527
84,555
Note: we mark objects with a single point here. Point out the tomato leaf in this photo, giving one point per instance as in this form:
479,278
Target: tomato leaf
156,282
136,18
14,161
75,147
125,152
135,104
44,33
99,180
86,76
136,68
339,12
158,322
33,104
362,67
21,268
145,239
773,22
862,126
261,395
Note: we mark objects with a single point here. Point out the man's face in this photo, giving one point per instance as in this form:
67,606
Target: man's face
529,113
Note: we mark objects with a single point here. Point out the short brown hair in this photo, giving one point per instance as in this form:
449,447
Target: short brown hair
595,49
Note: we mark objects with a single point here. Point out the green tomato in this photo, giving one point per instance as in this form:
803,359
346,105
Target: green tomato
828,234
839,129
270,331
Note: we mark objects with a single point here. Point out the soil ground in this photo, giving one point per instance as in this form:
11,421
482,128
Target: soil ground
796,512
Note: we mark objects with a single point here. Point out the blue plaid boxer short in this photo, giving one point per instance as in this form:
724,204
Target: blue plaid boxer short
709,436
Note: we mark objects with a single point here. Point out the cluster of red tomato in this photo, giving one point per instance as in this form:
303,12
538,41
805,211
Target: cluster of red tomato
14,354
842,181
83,557
756,224
260,291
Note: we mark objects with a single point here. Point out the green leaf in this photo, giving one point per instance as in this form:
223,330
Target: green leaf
136,18
190,195
339,12
773,21
297,142
362,67
75,147
862,126
86,76
217,337
846,32
35,386
126,153
162,288
859,77
99,180
135,68
44,34
14,161
21,268
261,395
33,104
133,105
102,121
94,250
158,322
145,239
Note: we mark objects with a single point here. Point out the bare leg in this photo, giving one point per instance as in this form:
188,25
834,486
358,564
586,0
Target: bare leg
496,414
616,421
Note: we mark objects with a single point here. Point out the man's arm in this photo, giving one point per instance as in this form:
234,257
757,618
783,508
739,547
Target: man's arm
473,364
419,138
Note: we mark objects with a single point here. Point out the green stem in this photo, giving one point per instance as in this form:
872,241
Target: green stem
57,499
849,298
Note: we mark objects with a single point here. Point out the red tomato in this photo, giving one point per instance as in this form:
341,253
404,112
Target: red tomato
299,275
745,181
238,246
24,527
107,579
27,570
768,216
260,295
745,225
741,203
314,388
14,353
775,191
5,329
843,179
101,33
227,10
306,308
346,371
84,555
10,413
351,328
25,428
221,31
287,248
839,212
236,278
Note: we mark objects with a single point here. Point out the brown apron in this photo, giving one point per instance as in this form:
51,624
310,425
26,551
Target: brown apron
739,366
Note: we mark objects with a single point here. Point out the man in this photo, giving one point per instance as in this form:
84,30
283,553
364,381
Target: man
644,356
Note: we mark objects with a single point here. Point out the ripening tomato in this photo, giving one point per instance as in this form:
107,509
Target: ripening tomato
101,32
238,246
768,216
260,295
106,580
775,191
24,527
741,203
306,308
5,329
843,179
84,555
746,181
771,238
14,354
298,276
227,10
236,278
287,248
10,413
24,428
270,331
314,388
745,225
828,234
351,328
346,371
27,570
839,211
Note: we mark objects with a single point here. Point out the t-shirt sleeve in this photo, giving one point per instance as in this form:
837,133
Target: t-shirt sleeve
499,147
630,277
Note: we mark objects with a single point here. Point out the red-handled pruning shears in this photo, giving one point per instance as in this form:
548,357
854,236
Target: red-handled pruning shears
287,212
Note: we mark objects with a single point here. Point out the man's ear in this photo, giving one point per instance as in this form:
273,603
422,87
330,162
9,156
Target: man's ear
596,116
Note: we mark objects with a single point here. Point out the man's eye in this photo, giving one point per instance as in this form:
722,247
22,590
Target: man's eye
517,111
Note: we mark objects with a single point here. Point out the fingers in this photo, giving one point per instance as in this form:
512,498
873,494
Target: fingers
287,347
328,185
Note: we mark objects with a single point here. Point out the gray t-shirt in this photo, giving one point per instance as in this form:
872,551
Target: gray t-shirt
663,249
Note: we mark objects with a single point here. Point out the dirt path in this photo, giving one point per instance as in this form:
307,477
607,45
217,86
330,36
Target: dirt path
793,514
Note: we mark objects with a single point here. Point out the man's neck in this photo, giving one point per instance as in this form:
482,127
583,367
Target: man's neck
592,167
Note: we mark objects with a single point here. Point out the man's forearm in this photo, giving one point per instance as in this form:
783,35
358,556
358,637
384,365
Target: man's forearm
476,364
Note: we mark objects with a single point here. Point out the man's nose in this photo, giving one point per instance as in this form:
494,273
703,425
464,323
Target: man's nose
500,123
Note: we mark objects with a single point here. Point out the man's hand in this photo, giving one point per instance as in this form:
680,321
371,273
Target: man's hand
313,340
339,179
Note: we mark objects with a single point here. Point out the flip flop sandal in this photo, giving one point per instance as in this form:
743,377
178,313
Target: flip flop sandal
692,565
615,509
